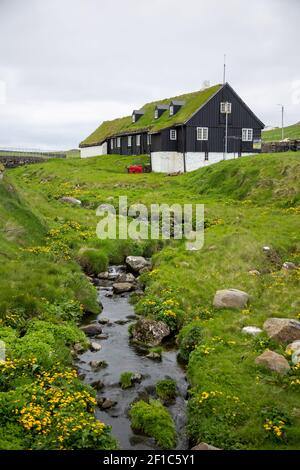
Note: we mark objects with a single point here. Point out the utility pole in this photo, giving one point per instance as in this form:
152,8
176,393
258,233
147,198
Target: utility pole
224,70
282,120
226,111
226,135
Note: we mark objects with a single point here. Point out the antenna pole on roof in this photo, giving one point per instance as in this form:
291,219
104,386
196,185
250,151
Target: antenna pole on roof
224,70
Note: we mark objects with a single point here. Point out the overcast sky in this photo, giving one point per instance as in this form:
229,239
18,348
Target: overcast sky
66,65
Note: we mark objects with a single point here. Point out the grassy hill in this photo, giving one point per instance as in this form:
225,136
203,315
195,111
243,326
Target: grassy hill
249,203
290,132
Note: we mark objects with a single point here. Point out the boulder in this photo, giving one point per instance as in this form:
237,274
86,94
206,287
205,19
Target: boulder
154,356
254,272
251,330
105,208
150,332
102,336
120,287
96,365
296,357
97,384
136,263
127,277
71,200
92,330
122,321
230,298
103,320
78,348
204,446
136,378
95,346
289,266
103,275
273,361
105,403
284,330
294,346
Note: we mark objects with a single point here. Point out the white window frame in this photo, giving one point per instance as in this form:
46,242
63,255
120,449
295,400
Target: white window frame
129,142
133,117
118,142
112,144
247,134
156,114
138,140
202,133
148,139
173,134
225,107
171,110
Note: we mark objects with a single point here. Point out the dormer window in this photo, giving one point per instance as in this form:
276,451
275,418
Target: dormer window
137,113
175,107
160,109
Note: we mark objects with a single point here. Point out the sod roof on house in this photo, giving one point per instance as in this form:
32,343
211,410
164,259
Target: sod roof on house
147,122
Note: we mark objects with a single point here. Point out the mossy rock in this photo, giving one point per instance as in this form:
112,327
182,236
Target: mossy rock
154,420
166,389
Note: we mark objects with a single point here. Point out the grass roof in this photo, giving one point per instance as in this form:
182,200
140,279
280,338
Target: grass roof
147,122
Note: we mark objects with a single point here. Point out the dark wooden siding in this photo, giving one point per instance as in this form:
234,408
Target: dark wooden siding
124,149
162,143
210,116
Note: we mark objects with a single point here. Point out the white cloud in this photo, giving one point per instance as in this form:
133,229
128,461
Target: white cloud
69,64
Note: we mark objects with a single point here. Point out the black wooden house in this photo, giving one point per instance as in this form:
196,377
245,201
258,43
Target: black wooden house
182,133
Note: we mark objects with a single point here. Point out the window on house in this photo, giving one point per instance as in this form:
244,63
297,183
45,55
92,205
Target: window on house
148,139
112,144
225,108
247,135
133,118
171,110
118,142
138,140
129,141
156,114
173,134
202,133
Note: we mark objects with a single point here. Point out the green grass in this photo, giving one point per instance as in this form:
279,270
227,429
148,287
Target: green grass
166,389
249,203
290,132
126,380
147,122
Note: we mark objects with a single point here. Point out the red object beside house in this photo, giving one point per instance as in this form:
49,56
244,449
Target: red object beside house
135,169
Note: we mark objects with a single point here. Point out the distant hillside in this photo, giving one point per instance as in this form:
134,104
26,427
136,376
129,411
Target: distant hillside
290,132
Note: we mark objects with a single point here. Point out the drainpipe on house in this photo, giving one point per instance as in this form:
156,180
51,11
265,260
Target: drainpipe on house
150,154
183,149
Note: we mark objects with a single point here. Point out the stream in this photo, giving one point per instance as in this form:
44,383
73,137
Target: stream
122,356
